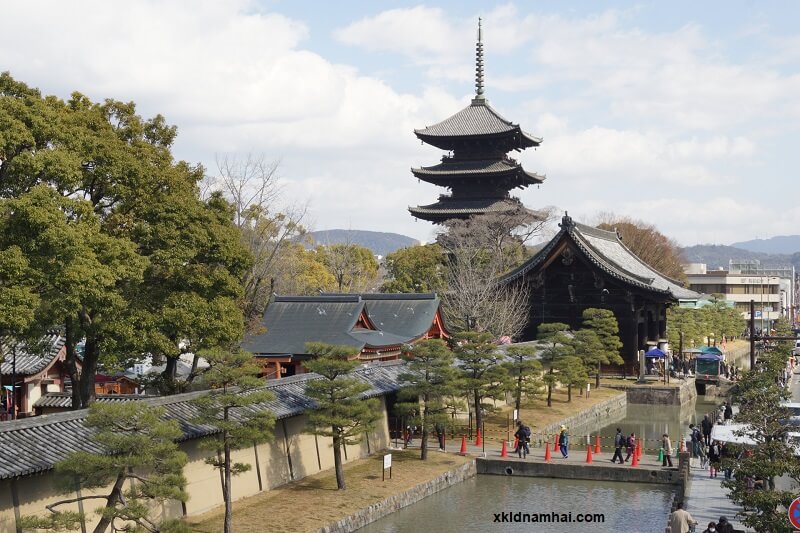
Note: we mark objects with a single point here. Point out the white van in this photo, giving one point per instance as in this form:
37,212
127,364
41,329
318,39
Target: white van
796,349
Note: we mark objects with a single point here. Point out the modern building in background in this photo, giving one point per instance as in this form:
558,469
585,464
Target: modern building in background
774,290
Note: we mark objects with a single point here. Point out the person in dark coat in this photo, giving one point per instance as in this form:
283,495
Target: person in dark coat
712,528
728,411
619,443
706,426
631,446
723,526
714,456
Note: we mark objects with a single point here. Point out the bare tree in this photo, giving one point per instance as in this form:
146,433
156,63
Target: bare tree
650,245
251,183
479,250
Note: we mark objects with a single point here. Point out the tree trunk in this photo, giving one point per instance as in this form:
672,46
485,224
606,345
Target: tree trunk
597,377
518,399
169,374
550,389
423,445
337,461
227,488
91,354
71,361
111,502
569,392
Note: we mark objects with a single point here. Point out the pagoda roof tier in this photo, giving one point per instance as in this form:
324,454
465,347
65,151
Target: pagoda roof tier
449,208
475,121
449,169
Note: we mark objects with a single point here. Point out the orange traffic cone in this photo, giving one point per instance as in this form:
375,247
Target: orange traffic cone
588,454
639,448
555,443
635,461
546,452
504,450
597,444
463,445
479,438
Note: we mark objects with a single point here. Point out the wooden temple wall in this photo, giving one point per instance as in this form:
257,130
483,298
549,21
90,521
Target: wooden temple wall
292,454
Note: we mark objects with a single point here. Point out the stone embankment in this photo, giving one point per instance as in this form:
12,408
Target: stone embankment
602,413
394,503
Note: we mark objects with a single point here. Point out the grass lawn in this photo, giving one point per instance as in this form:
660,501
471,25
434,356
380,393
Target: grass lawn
314,502
537,415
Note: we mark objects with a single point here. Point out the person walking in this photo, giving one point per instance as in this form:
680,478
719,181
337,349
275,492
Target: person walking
523,436
563,442
706,426
723,526
631,446
714,456
728,411
666,445
619,443
680,521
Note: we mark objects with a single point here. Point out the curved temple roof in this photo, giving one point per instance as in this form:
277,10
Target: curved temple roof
606,250
476,120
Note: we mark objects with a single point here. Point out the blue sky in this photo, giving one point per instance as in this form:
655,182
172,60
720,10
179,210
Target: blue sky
682,114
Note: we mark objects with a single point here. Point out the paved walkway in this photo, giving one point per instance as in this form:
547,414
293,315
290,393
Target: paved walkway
708,500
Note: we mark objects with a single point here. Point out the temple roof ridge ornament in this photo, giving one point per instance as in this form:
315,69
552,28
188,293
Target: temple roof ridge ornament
479,99
566,222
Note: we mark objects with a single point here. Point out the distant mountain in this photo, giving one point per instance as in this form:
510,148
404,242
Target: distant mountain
715,256
380,243
781,244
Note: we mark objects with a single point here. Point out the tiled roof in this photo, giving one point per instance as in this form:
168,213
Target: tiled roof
407,315
292,321
30,359
467,207
64,399
475,120
606,251
36,444
478,168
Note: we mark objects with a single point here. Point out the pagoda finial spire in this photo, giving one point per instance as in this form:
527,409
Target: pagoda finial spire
479,63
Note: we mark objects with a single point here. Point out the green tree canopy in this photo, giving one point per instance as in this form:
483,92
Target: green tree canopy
416,269
571,373
139,451
557,342
354,267
341,412
428,385
481,370
232,376
524,372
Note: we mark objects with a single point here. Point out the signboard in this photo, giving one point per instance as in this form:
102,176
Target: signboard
516,415
794,513
387,463
758,314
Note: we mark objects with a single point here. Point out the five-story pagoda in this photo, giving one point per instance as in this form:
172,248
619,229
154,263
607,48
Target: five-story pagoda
477,170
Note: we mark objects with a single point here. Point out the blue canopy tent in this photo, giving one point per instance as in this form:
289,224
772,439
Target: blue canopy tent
655,353
710,350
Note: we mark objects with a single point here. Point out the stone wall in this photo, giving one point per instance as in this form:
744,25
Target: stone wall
394,503
602,413
593,472
654,395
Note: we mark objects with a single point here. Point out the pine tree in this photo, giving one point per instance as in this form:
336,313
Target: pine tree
571,373
138,450
228,407
604,324
481,371
554,336
524,370
341,411
431,380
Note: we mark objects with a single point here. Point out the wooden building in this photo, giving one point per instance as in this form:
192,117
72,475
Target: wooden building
378,325
477,169
30,371
584,267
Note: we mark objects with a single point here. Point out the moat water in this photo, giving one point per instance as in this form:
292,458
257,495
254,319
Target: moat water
471,506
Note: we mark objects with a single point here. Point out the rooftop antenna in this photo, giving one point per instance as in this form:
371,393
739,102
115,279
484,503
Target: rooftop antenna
479,63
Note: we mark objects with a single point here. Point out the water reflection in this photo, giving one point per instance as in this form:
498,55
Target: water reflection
470,506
